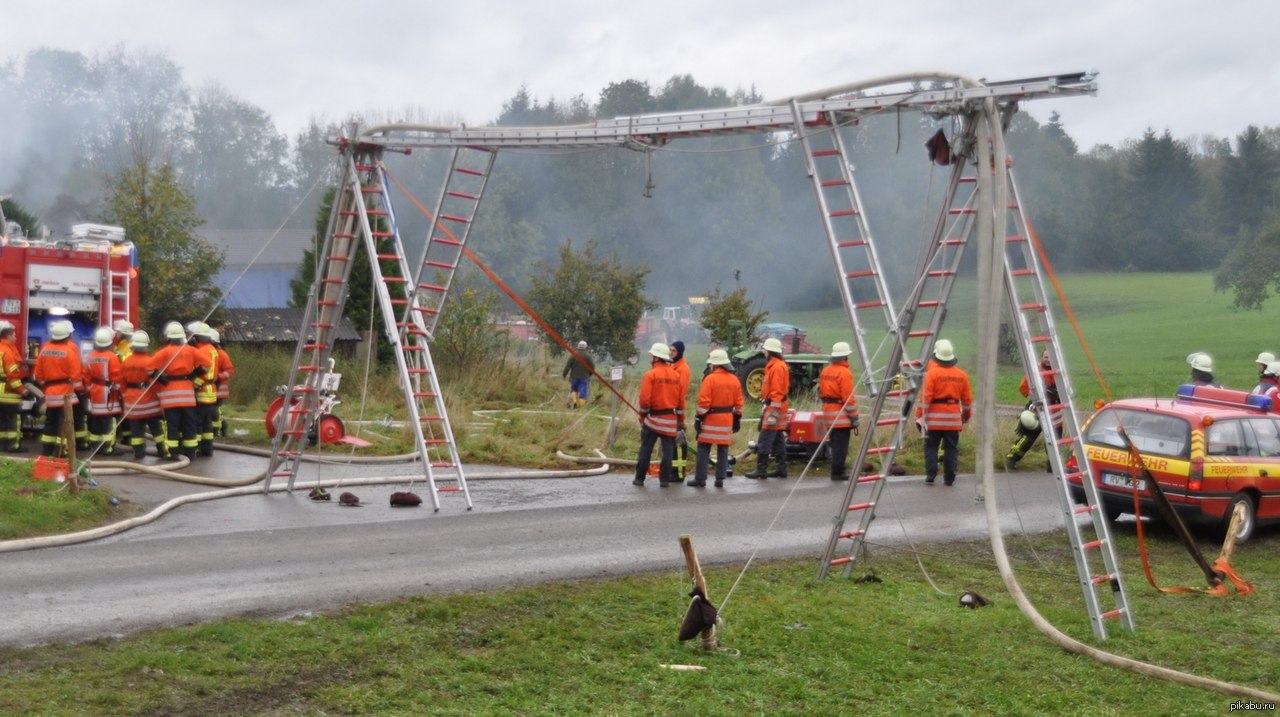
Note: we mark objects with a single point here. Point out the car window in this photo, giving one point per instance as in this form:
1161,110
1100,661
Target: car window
1151,433
1266,437
1225,438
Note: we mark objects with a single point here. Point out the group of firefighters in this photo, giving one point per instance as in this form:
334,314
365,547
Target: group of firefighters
119,392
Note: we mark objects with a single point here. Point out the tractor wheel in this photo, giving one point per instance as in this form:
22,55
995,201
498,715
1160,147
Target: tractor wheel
331,429
1247,521
752,376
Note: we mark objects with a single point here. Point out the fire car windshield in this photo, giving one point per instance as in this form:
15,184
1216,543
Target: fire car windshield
1152,433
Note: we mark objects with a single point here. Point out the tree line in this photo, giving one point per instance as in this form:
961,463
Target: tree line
701,214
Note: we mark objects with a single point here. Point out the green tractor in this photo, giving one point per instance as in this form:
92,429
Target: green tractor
804,359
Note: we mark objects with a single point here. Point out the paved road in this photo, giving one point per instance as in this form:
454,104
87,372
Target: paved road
282,554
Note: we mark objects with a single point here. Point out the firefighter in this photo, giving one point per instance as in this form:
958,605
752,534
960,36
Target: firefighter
1202,370
946,404
122,338
775,419
659,398
206,384
141,403
103,375
11,389
1271,385
1266,358
226,370
1028,428
174,367
680,463
839,407
719,416
60,374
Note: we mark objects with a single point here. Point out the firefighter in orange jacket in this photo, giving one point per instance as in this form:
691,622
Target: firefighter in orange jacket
226,370
60,374
718,418
1029,428
103,375
141,403
174,367
775,419
946,403
11,389
659,419
206,384
839,407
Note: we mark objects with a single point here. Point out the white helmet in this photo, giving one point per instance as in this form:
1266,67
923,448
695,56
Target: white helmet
1272,369
103,337
140,340
1028,420
582,345
214,336
1264,358
5,326
773,345
1201,361
60,330
202,330
660,350
193,328
173,331
719,357
944,351
124,327
840,350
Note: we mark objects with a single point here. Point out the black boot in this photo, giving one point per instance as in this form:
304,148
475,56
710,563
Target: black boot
139,452
761,469
780,471
696,483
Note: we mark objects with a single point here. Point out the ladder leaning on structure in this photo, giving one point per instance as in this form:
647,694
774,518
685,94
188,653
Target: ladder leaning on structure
1035,331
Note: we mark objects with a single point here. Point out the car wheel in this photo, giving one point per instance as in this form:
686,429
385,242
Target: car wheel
752,376
1247,521
1110,513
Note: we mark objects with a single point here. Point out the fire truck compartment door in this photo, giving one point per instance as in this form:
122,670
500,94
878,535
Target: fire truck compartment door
75,288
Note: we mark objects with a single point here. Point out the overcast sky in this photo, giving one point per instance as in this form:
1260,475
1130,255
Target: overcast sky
1191,67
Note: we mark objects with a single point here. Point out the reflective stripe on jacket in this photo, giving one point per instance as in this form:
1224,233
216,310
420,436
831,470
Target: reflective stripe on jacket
660,398
774,390
59,372
719,402
207,383
175,363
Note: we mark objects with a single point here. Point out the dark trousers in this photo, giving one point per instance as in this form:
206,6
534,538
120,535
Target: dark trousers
772,443
206,414
648,437
950,443
138,428
181,431
838,443
703,462
10,430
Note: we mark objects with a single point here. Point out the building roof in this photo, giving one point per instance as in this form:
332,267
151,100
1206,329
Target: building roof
256,326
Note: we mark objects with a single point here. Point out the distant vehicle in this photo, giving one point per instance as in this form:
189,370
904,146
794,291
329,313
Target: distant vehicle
1210,449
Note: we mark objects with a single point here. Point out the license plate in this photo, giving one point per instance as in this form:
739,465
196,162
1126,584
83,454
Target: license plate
1120,480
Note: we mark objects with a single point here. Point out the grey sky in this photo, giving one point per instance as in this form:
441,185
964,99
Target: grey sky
1192,67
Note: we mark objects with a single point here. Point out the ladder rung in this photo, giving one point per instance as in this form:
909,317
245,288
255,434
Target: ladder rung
940,273
1102,579
444,464
472,172
434,441
960,211
431,287
825,152
383,235
880,451
852,533
834,182
454,218
439,264
1092,545
1032,306
851,243
860,274
951,242
446,240
919,334
868,304
869,478
861,506
1084,509
843,213
461,195
1023,272
1112,613
929,304
1015,238
889,421
841,561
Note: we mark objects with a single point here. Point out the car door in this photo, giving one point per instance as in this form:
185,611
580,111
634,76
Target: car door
1265,439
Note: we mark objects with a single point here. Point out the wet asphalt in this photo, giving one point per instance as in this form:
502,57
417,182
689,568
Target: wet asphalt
281,554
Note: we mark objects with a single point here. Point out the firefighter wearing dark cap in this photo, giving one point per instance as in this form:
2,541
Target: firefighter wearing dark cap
174,367
60,374
103,375
11,389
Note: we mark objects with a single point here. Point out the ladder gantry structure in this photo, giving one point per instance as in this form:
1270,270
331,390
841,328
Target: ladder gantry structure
412,295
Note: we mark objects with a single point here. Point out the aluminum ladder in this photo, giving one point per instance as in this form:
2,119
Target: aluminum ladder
116,298
927,303
1029,305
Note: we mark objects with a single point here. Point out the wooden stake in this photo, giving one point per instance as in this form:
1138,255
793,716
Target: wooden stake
1233,527
709,640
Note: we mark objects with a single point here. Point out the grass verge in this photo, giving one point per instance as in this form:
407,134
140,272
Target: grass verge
799,647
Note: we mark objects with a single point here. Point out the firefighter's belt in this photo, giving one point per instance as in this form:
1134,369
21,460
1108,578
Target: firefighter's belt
135,385
839,401
661,411
99,381
719,409
56,381
945,400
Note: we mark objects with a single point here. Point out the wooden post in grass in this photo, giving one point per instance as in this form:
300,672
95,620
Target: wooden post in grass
1233,527
69,436
709,641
